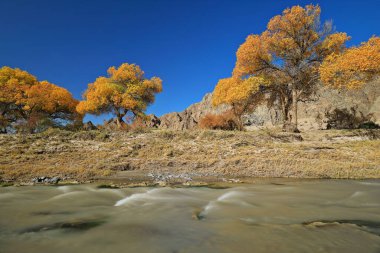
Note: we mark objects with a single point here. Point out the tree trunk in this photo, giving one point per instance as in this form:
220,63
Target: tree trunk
286,107
291,124
285,110
240,123
295,107
119,118
119,121
237,116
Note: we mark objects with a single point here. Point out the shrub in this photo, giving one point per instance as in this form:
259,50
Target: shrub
349,119
369,125
224,121
138,126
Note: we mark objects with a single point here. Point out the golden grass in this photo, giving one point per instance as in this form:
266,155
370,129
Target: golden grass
264,153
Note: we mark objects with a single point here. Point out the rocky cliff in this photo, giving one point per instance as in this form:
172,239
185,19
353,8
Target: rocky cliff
190,117
327,108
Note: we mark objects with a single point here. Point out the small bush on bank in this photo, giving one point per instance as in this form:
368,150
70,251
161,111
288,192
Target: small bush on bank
224,121
349,119
138,126
369,125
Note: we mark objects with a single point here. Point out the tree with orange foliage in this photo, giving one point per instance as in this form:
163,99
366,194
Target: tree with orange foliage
125,90
13,86
288,55
242,94
49,101
354,67
25,100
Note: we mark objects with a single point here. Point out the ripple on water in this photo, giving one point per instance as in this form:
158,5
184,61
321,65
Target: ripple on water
370,183
136,197
65,188
66,195
230,197
357,194
158,195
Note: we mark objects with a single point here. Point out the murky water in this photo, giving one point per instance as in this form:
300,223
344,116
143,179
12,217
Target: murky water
301,216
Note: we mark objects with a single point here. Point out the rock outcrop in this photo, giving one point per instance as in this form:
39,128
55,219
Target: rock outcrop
152,121
358,106
190,117
318,113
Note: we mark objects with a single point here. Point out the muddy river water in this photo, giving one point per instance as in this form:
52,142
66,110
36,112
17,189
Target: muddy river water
278,216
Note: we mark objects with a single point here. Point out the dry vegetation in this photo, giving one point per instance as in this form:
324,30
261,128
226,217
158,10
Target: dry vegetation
223,121
266,153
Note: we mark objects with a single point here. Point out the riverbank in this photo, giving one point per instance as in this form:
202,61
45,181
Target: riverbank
171,157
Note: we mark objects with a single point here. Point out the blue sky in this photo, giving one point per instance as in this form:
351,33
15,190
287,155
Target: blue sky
188,44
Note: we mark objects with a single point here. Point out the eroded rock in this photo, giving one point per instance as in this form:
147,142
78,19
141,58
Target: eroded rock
361,105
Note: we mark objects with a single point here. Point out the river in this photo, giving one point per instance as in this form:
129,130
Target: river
268,216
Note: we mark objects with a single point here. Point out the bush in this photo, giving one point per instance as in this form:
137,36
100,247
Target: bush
349,119
224,121
138,126
369,125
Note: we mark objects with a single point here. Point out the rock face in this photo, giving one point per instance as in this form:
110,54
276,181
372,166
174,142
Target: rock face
152,121
190,117
355,105
318,113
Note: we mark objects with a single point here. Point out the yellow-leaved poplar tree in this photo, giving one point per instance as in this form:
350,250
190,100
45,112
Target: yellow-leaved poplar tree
354,67
242,94
124,90
51,100
287,55
23,97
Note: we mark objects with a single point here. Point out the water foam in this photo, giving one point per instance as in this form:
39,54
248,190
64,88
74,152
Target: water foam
357,194
64,195
65,188
231,197
135,197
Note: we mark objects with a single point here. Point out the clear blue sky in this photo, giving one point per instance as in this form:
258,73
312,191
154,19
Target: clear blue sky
189,44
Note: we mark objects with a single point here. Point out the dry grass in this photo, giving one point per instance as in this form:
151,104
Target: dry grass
265,153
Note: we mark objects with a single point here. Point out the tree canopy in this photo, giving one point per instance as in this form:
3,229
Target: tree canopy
241,94
292,56
23,98
124,90
354,67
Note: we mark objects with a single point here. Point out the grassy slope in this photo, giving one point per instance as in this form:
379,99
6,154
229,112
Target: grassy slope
264,153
